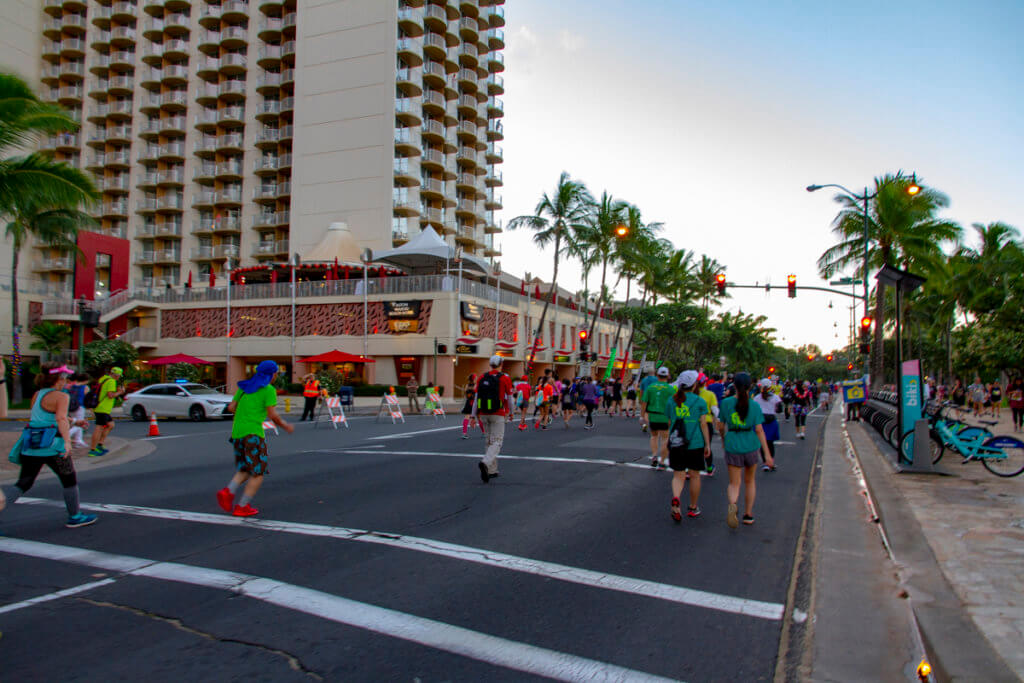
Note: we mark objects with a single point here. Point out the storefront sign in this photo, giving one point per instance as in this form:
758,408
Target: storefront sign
403,316
471,311
505,353
465,348
563,359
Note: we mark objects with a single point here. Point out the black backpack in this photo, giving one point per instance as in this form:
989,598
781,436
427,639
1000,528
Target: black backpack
488,393
92,399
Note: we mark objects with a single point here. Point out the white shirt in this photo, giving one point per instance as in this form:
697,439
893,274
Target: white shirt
767,405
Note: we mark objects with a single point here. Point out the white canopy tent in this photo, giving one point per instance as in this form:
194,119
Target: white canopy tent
425,252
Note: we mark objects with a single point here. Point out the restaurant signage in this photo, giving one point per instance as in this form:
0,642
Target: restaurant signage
403,316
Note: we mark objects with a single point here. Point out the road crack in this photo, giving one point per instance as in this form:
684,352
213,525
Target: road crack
294,663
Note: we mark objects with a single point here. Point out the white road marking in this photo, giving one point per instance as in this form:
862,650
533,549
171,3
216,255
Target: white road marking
54,596
542,458
406,435
623,584
440,635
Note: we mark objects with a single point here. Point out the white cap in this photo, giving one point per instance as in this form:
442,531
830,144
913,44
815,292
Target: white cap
765,382
663,371
687,378
496,361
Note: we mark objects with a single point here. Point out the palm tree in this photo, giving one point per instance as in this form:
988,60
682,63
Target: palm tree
600,238
557,218
985,279
51,337
39,196
903,230
707,284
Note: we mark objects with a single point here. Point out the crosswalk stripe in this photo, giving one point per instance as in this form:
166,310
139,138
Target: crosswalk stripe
436,634
55,595
687,596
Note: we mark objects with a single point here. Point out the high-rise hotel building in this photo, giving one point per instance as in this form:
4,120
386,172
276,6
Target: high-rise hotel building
240,130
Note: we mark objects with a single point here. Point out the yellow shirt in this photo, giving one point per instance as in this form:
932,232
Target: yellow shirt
712,401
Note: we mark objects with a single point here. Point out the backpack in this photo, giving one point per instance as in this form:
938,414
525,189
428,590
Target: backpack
92,399
73,402
677,436
488,393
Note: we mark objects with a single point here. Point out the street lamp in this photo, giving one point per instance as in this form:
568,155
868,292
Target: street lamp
621,231
863,199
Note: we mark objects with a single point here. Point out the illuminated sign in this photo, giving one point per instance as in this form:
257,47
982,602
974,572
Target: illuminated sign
465,348
471,311
403,316
563,359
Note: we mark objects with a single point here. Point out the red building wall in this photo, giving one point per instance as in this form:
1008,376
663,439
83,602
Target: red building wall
91,244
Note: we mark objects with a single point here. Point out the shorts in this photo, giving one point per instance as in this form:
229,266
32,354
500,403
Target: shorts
681,459
568,406
251,455
103,419
658,427
750,459
631,395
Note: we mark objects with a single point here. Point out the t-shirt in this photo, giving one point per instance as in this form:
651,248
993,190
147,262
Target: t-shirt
504,390
740,436
522,390
767,405
656,396
106,404
549,391
718,389
251,411
646,382
977,392
590,392
694,407
712,402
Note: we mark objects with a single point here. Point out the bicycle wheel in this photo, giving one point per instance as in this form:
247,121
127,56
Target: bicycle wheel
889,434
907,455
1012,464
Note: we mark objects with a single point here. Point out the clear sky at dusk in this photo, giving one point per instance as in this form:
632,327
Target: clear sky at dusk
714,117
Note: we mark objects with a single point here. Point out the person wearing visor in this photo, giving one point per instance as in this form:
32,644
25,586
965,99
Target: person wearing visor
740,422
47,441
254,403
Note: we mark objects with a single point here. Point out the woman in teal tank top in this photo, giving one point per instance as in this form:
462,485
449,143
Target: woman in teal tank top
49,413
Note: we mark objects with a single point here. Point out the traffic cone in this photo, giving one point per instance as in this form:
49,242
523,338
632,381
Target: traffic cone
154,429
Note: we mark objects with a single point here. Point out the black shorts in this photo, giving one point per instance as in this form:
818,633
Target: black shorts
103,419
681,459
658,427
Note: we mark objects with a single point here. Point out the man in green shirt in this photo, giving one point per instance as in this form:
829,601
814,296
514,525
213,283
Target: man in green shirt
254,403
108,391
655,399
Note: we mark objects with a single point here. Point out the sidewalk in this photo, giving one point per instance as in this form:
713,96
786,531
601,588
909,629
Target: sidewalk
121,451
958,541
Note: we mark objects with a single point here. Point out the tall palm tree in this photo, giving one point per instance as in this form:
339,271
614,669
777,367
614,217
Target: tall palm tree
903,230
35,190
599,236
557,218
985,279
707,285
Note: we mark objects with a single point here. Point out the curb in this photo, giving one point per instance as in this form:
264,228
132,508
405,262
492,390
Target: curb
125,452
956,648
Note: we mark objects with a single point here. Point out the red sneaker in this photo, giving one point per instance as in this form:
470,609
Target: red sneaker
244,511
225,499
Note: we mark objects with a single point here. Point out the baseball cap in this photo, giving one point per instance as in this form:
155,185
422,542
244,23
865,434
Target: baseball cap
688,378
116,371
765,382
495,361
702,378
742,380
662,371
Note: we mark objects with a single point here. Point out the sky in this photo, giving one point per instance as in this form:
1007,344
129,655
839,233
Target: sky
713,117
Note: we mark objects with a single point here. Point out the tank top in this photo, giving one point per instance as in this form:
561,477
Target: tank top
40,417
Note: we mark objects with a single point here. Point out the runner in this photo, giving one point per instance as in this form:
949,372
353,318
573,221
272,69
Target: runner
688,444
589,396
711,400
654,401
1015,393
647,381
631,398
743,436
567,398
995,396
253,404
787,398
522,399
976,393
106,392
493,398
770,405
825,397
616,396
716,387
467,408
47,441
801,406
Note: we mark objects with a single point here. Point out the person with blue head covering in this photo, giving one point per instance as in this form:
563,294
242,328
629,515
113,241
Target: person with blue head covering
254,403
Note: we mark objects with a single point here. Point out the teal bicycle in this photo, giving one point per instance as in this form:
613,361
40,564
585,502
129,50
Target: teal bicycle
1003,456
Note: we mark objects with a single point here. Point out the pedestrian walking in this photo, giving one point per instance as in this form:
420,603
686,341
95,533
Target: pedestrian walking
711,399
47,441
631,398
310,392
655,401
567,399
771,406
522,399
493,399
976,393
801,406
1015,394
743,436
647,381
78,386
469,418
411,387
787,398
589,394
688,443
616,396
106,393
253,404
995,397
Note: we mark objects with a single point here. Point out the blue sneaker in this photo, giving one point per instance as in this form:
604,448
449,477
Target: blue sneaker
96,452
80,519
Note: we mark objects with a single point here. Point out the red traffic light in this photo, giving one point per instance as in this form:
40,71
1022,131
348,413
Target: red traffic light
771,369
583,335
849,366
866,322
791,285
829,358
720,283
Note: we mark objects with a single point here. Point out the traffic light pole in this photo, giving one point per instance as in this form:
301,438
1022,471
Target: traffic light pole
769,288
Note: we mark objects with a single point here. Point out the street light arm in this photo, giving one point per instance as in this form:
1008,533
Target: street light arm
853,195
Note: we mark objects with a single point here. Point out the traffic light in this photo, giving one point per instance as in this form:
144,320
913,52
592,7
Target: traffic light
849,366
720,283
865,326
791,285
442,349
771,369
864,348
583,345
829,358
810,356
622,231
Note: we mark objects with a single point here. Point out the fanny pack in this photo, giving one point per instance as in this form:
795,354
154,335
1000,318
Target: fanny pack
38,437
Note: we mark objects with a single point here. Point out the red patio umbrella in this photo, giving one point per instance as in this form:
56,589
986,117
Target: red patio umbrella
334,269
536,291
178,358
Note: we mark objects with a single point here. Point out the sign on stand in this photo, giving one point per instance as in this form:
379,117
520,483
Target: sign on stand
854,391
332,406
389,405
586,369
269,424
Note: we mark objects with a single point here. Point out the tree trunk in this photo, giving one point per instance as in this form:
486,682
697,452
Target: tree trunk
547,302
600,298
15,374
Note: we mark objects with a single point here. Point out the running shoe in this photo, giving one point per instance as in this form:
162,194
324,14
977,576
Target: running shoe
731,519
96,453
246,510
81,444
643,427
693,512
226,499
677,515
654,462
748,520
765,468
484,476
465,436
81,519
662,466
710,470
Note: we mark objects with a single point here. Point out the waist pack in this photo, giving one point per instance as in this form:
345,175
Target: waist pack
38,437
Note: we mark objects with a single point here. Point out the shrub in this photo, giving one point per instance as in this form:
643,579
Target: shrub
183,371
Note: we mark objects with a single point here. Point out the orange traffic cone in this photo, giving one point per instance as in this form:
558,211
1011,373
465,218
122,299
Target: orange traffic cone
154,429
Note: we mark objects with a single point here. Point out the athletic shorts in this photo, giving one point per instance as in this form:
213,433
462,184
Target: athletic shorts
681,459
251,455
658,426
103,419
568,406
743,459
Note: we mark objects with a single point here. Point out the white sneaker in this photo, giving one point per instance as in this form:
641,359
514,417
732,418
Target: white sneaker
81,444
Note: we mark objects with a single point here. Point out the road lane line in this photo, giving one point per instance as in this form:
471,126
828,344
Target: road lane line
585,577
486,648
542,458
54,596
406,435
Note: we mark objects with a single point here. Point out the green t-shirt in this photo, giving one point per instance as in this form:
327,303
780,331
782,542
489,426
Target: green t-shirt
656,396
693,409
106,405
740,436
251,411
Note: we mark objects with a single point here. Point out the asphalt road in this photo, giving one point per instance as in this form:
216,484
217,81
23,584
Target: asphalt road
380,555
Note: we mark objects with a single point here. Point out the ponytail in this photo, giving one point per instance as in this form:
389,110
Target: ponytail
742,401
680,395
